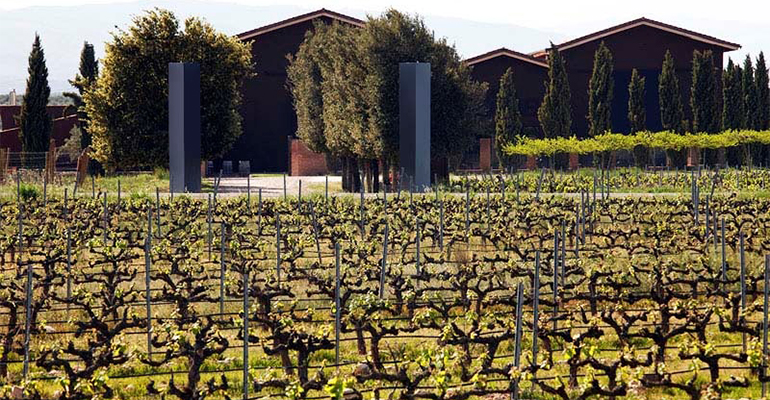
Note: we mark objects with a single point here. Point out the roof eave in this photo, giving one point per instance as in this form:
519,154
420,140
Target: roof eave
297,20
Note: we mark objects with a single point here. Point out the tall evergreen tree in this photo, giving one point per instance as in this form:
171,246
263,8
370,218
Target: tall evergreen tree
86,76
637,116
732,97
671,110
35,123
555,112
600,89
703,93
732,107
507,116
763,93
750,100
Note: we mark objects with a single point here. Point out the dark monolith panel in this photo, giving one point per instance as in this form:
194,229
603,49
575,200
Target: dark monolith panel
184,127
414,123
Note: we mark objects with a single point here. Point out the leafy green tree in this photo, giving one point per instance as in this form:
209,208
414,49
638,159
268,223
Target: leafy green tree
671,109
304,77
732,97
345,87
750,100
637,116
600,89
128,104
35,123
456,99
763,93
84,79
507,116
555,112
703,96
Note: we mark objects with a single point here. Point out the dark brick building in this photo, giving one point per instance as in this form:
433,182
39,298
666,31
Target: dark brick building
268,114
640,44
529,76
269,119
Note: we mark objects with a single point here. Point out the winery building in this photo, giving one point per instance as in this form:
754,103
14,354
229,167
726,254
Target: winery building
641,44
269,120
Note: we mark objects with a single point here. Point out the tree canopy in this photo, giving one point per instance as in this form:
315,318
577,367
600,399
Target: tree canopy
600,92
84,79
749,89
703,96
555,112
763,93
671,109
507,116
128,104
344,82
732,97
35,124
637,116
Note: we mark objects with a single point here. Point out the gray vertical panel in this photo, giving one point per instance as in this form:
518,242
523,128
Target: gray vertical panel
414,122
184,125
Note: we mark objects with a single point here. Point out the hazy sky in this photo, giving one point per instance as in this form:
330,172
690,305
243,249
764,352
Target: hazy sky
559,15
474,26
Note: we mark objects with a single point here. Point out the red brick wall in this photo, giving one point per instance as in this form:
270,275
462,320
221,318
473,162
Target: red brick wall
305,162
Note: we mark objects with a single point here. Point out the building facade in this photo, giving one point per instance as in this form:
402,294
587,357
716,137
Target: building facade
640,44
529,77
269,118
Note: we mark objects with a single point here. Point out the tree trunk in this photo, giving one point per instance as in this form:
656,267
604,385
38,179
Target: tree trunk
345,176
385,170
375,168
356,176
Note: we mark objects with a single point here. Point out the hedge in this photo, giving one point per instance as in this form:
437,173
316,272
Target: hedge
664,140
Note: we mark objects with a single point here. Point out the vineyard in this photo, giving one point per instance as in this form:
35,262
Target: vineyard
479,295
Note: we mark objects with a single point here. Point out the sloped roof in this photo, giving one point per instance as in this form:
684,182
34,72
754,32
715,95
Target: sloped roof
728,46
299,19
504,52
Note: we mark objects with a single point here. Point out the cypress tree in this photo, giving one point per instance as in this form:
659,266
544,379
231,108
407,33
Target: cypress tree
703,93
749,95
732,108
637,117
86,76
555,113
732,97
671,111
600,92
763,93
35,124
761,152
507,116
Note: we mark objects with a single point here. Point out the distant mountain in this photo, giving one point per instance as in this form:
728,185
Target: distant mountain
63,29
